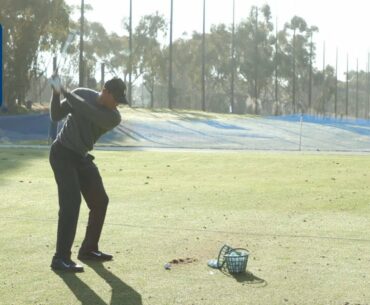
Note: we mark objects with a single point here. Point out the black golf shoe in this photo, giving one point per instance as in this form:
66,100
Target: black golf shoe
95,256
60,264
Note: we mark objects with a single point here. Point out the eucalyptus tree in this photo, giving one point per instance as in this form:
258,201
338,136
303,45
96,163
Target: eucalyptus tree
219,67
254,53
187,74
30,27
99,47
148,54
297,55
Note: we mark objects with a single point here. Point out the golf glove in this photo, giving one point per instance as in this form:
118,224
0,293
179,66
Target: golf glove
55,83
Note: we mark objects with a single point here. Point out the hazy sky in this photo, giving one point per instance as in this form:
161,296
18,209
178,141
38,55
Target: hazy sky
344,24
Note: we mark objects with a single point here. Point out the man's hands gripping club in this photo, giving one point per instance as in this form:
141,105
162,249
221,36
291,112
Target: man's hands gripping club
56,84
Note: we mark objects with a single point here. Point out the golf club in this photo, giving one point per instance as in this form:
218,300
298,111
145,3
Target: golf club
62,58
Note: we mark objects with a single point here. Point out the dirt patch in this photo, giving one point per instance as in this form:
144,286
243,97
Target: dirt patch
179,261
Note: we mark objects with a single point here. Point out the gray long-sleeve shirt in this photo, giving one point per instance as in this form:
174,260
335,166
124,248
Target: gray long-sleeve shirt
86,120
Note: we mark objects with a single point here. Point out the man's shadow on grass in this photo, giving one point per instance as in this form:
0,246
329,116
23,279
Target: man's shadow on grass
122,294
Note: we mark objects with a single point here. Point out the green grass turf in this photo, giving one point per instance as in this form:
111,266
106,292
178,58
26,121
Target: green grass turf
304,217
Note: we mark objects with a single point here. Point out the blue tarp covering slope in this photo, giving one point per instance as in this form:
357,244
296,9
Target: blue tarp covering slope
225,132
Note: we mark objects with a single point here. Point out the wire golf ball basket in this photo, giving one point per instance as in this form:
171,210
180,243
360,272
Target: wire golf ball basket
221,255
232,260
236,260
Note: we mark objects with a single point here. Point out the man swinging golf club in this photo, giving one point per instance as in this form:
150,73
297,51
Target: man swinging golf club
89,115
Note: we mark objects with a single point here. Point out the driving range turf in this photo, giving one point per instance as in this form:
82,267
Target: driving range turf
304,217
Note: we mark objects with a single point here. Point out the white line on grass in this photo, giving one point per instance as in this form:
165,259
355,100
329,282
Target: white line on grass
195,150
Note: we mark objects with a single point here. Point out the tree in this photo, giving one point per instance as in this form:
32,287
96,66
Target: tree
29,27
295,46
148,55
254,40
99,47
219,67
187,73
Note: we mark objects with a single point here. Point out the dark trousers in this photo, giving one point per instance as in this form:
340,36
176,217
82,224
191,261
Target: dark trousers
74,175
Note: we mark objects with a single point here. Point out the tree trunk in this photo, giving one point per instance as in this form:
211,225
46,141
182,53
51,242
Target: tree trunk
152,97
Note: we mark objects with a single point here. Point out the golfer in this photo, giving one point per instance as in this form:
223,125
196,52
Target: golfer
89,115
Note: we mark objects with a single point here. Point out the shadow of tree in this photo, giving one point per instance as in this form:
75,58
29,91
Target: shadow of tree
14,158
122,294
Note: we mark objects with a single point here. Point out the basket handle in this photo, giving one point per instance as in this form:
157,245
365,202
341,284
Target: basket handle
243,249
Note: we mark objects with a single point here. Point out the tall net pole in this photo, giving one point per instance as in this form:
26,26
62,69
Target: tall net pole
204,58
81,64
368,86
276,69
336,85
170,65
293,96
347,88
323,81
233,60
310,77
357,89
256,66
130,58
102,75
